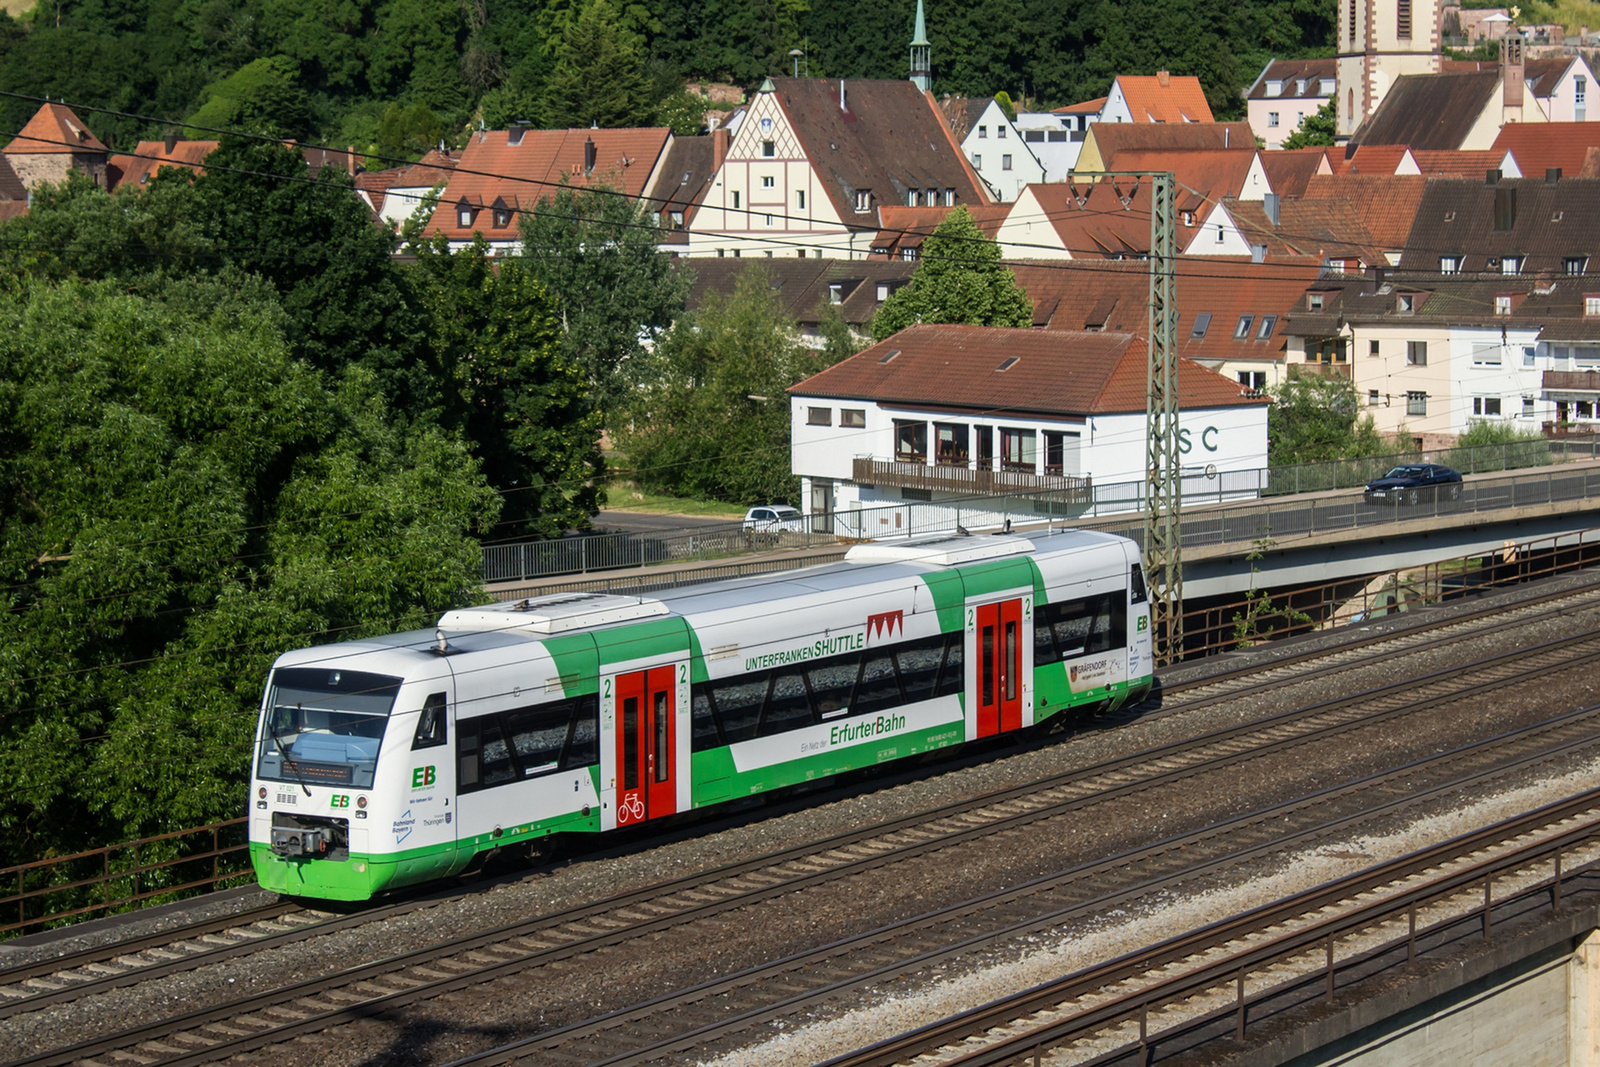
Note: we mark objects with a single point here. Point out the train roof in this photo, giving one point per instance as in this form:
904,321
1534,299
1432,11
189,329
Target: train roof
493,627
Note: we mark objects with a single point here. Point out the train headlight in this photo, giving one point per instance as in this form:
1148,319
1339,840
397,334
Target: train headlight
361,802
262,792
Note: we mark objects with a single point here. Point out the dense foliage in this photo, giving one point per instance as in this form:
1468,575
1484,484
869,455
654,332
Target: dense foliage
1318,417
233,424
959,278
710,418
394,75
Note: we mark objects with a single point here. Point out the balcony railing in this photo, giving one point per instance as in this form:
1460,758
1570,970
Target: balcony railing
1063,487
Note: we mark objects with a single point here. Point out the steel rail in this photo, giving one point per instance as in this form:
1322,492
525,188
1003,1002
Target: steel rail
76,987
317,1019
697,1038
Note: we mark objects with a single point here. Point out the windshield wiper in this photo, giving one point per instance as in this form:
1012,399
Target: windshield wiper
287,762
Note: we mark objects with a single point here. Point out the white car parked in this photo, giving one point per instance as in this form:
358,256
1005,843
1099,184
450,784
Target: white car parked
767,521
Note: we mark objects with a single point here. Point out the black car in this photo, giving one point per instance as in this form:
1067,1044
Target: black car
1413,483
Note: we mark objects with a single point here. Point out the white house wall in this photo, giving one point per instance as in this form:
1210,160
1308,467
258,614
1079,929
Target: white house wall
770,219
1291,111
1562,104
993,138
1218,235
1518,374
1028,233
1056,158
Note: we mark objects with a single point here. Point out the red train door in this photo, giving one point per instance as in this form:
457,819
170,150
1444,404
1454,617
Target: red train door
999,655
645,746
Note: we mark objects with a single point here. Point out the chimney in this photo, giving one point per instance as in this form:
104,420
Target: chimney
843,104
719,148
588,156
1164,78
1226,136
1269,203
171,141
1258,253
514,134
1552,175
1491,177
350,159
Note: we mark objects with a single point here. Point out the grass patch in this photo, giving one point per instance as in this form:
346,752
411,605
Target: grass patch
627,498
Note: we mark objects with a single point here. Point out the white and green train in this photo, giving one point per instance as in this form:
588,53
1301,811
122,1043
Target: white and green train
391,761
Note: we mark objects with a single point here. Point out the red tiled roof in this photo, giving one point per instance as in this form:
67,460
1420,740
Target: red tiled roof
908,227
1443,163
1203,177
151,156
1387,204
1091,219
53,129
1115,138
1115,297
492,170
1368,159
1057,372
1318,74
11,209
433,168
1087,107
1539,146
1288,171
1165,98
890,136
1325,228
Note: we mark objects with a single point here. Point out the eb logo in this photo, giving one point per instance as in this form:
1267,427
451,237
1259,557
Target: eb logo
340,800
1144,623
422,777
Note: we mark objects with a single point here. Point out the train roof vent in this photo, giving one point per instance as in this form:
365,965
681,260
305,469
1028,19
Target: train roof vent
552,614
943,550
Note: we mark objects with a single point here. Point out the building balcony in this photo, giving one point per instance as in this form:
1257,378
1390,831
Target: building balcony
917,475
1318,370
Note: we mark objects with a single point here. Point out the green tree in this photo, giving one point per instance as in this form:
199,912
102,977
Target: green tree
959,279
712,421
527,411
314,240
261,97
1315,130
599,77
180,501
1318,417
595,252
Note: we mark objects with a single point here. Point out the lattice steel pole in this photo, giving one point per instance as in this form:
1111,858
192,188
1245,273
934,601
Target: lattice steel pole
1163,564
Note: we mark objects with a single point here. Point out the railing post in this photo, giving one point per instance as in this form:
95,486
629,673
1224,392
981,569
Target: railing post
1330,968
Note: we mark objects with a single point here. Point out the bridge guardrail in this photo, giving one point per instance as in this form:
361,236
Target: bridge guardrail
527,561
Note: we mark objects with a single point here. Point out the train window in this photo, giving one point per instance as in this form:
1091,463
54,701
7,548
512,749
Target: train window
832,681
494,755
986,667
1136,589
630,743
1110,628
1011,664
919,666
584,748
953,678
738,702
789,707
431,726
706,735
663,750
538,735
467,756
879,687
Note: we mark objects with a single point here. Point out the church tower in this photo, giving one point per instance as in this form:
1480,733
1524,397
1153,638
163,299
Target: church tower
921,55
1380,40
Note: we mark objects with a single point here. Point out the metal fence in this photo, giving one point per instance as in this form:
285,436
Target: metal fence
117,877
592,553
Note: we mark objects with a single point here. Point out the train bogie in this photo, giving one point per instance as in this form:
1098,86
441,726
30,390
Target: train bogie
397,761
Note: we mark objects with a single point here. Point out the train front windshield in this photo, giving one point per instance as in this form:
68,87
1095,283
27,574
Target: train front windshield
324,727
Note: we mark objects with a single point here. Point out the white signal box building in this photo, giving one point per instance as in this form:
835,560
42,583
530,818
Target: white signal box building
941,413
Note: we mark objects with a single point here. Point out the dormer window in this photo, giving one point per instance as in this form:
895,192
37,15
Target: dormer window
835,293
1510,264
464,214
1405,303
1574,264
677,219
1449,264
1502,305
863,200
1313,301
502,218
949,198
1300,87
1274,88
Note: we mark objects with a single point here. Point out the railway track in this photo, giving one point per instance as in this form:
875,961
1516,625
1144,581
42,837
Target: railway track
62,979
731,1013
355,992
